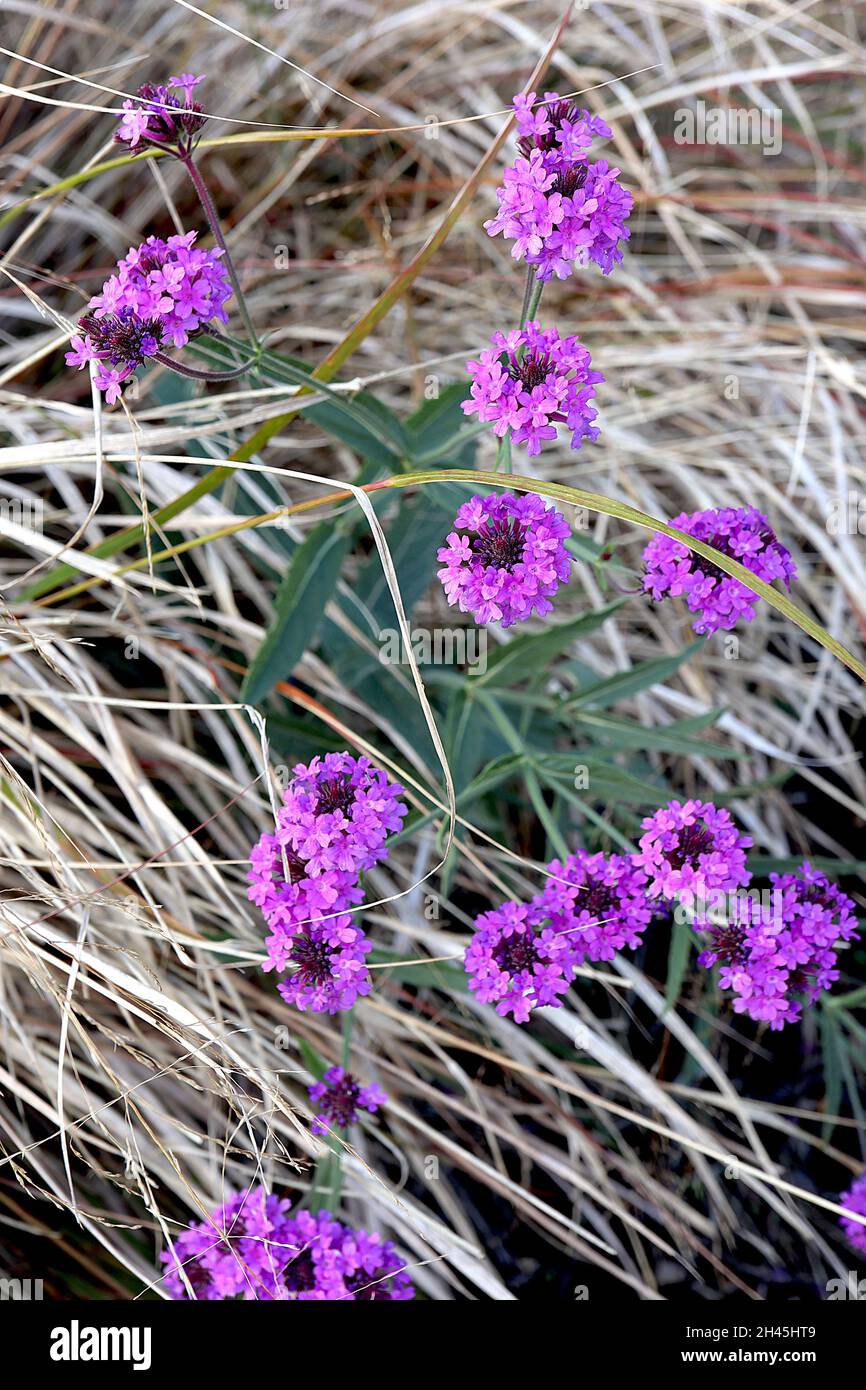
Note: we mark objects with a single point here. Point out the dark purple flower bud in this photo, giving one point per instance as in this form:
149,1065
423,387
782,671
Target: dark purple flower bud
340,1097
157,118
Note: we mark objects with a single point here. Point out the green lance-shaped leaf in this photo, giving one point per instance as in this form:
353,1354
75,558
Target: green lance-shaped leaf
300,603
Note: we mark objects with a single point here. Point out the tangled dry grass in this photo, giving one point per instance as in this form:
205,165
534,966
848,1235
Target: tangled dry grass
145,1064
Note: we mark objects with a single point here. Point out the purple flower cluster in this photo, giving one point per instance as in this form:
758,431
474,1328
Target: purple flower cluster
742,533
600,908
854,1200
776,957
559,208
251,1248
157,118
531,381
505,559
163,292
692,850
336,816
512,964
340,1098
524,955
773,956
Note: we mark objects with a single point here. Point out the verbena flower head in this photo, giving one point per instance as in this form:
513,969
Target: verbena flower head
336,816
338,812
512,964
532,381
692,850
293,896
742,533
601,907
778,957
854,1200
157,118
558,208
813,906
328,964
251,1248
162,294
240,1251
749,946
330,1261
340,1097
505,559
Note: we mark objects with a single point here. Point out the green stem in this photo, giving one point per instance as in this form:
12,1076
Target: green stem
194,374
210,213
531,297
531,300
347,1038
503,454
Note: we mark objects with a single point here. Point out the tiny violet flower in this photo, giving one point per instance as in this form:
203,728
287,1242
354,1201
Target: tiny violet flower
531,382
340,1098
718,600
854,1200
777,957
515,966
251,1248
597,903
559,208
158,119
692,850
510,561
187,82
